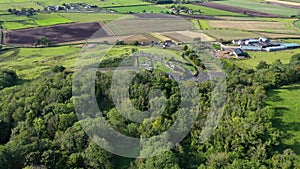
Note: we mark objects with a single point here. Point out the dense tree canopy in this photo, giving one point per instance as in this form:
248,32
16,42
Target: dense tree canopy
39,126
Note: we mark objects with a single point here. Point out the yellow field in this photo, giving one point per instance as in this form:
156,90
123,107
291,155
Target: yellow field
277,27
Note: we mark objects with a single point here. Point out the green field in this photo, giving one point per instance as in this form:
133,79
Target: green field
28,3
91,17
140,9
287,113
262,7
269,57
32,62
228,35
7,4
297,24
211,11
43,19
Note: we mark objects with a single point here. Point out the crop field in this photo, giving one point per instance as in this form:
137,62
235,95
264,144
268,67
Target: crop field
278,35
186,36
57,34
140,9
237,9
287,113
269,57
228,35
140,38
149,25
30,63
266,26
263,7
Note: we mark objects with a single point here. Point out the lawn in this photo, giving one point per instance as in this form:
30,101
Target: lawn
140,9
30,63
287,113
269,57
261,7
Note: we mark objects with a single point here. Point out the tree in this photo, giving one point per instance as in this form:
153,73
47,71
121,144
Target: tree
43,41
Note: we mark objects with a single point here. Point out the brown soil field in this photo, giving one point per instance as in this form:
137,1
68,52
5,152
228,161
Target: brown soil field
57,34
238,10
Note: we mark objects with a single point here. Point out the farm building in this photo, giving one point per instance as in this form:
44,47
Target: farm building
290,45
251,48
275,48
262,39
251,41
239,53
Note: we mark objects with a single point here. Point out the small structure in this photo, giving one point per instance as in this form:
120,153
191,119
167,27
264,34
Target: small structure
239,53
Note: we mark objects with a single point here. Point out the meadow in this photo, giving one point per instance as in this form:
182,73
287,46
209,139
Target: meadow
269,57
211,11
140,9
297,24
228,35
30,63
287,113
261,7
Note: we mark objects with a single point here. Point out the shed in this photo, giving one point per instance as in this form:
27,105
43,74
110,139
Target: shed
239,53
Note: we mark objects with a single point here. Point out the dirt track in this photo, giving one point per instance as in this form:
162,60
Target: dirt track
238,10
57,34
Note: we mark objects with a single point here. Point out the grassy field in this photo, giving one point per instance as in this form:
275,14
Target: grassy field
13,22
262,7
212,12
43,19
91,2
228,35
297,24
269,57
32,62
287,113
91,17
140,9
7,4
